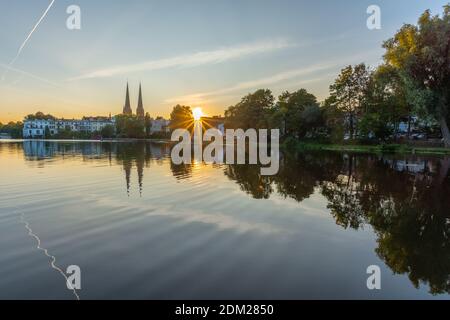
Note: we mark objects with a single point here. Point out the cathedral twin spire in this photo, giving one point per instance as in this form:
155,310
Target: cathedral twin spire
140,108
140,112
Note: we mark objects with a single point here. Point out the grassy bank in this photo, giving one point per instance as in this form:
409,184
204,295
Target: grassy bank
386,148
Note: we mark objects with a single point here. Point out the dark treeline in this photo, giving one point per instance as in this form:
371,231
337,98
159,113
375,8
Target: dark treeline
412,87
133,126
13,129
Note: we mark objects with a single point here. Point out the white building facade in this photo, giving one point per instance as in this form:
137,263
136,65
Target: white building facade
37,128
160,125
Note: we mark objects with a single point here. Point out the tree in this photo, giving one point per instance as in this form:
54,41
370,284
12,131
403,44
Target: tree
108,131
129,126
47,133
65,133
385,104
422,55
253,111
14,129
300,112
348,91
148,124
39,116
333,119
181,117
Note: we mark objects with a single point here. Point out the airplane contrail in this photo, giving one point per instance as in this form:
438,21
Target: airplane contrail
28,37
24,73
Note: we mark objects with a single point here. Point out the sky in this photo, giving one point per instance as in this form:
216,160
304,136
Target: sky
202,53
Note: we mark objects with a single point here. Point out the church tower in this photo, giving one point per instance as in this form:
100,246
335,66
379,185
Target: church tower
140,112
127,108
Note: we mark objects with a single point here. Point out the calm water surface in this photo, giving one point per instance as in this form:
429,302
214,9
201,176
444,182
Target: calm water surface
140,227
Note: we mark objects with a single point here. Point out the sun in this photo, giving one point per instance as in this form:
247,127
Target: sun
197,113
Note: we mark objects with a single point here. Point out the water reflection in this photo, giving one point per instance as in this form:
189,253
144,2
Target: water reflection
405,199
129,155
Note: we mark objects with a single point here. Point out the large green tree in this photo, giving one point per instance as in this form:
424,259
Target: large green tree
349,91
422,55
252,111
297,113
385,104
129,126
181,117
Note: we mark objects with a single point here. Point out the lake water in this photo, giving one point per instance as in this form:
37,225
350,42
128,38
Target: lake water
140,227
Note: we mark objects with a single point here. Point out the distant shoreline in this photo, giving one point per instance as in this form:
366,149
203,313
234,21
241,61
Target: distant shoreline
299,146
94,140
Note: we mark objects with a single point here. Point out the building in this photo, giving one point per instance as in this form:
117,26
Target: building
96,124
38,128
160,125
140,112
33,128
127,107
214,122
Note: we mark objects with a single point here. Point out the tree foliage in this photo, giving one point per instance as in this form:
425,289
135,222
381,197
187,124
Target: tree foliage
14,129
422,55
39,116
181,117
349,91
252,111
108,131
129,126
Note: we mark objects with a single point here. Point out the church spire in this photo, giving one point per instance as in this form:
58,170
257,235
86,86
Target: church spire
140,108
127,108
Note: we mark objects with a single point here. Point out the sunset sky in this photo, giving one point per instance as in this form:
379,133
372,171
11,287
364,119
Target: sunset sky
200,53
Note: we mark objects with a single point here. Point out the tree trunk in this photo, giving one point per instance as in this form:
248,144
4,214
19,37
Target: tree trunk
445,131
409,127
351,127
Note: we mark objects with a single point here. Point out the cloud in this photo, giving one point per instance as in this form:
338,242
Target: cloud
192,60
280,77
257,83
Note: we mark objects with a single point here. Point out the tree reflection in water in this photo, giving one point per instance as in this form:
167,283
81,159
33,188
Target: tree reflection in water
405,199
407,203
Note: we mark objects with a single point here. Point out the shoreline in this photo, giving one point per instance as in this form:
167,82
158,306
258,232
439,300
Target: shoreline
92,140
299,146
375,149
